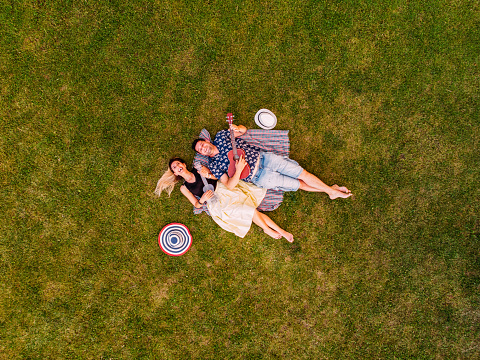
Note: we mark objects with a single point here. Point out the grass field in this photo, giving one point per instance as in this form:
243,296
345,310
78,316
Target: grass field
379,96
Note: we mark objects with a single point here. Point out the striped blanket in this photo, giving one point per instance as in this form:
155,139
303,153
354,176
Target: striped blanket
275,141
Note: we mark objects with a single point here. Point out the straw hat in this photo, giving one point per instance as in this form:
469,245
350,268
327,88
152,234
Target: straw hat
265,119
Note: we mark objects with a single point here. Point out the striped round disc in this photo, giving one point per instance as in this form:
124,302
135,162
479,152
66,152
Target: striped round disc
175,239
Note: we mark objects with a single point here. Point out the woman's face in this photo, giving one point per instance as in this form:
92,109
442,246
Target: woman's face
178,168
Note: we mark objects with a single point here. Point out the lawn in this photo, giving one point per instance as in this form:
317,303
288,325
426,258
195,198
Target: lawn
380,96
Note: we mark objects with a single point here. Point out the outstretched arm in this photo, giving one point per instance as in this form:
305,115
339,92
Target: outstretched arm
230,182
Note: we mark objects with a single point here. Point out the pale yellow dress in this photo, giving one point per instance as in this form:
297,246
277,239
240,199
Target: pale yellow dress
233,211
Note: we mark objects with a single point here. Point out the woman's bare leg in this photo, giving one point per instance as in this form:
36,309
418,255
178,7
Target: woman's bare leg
260,221
277,228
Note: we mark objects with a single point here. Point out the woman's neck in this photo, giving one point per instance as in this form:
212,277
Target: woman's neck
188,176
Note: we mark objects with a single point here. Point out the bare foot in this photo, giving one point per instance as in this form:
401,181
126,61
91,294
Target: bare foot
340,192
341,188
287,235
272,233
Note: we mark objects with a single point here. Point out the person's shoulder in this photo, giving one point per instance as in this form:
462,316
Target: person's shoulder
215,161
216,164
220,134
221,140
217,171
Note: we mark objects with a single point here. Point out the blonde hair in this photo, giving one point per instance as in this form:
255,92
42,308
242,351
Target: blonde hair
168,180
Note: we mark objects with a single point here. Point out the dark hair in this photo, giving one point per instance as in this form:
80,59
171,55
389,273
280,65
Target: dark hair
175,159
195,143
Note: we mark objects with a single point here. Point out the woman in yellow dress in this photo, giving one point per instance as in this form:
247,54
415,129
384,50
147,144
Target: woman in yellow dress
232,209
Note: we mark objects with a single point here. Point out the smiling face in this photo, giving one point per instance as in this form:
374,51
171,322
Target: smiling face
205,148
178,168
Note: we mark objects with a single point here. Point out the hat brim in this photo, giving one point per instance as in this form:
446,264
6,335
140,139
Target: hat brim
259,122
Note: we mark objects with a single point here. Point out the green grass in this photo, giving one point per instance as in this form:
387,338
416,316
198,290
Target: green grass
380,96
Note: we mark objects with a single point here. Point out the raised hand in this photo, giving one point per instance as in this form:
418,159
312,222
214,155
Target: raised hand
239,130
